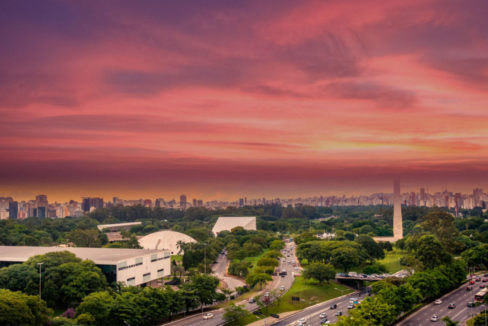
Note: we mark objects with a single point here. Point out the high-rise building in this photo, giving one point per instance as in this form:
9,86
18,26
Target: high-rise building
41,211
183,201
89,202
397,211
13,209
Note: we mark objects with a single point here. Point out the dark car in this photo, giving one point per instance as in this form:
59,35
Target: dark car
482,286
478,279
333,306
469,288
339,313
275,316
451,306
470,304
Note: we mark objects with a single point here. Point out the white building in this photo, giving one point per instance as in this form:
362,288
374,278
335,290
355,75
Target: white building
166,239
228,223
129,266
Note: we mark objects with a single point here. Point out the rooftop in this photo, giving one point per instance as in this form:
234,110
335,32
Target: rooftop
100,256
117,225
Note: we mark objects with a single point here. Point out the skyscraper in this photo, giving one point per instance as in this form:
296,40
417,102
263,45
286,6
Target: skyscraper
183,201
397,211
13,209
89,202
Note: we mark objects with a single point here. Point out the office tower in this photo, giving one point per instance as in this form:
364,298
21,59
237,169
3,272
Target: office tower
241,202
477,193
148,203
200,203
89,202
397,211
194,202
13,209
182,201
41,200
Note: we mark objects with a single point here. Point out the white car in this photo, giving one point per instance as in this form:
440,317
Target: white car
282,288
323,315
302,320
208,316
434,318
438,301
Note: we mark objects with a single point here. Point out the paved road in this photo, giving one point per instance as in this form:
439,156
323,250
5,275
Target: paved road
274,286
461,313
219,270
311,314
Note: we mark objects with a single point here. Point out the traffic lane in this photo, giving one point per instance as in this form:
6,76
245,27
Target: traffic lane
317,309
314,318
460,297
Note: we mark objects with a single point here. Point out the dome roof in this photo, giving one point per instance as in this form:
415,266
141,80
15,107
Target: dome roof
165,240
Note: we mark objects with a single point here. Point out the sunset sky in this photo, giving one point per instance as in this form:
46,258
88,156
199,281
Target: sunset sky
220,99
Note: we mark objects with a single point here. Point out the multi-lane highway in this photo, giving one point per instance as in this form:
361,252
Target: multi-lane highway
278,282
311,315
460,297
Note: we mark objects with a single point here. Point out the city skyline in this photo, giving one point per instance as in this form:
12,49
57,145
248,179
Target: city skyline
221,99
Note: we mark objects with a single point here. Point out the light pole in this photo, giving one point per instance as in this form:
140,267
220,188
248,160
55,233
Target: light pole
40,281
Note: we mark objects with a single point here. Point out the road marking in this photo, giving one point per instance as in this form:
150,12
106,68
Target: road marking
455,316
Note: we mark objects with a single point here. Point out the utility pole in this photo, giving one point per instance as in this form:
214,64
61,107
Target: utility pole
205,257
40,281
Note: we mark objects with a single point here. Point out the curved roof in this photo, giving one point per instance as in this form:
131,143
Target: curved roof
165,240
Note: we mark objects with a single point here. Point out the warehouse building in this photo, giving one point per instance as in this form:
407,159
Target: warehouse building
129,266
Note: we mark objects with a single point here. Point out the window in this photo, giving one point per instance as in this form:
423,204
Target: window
131,281
161,272
146,277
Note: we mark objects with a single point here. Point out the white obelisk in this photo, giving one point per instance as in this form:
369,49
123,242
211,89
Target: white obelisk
397,211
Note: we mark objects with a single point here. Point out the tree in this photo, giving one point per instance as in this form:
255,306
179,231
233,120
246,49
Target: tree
373,249
85,238
477,256
98,306
442,225
204,288
430,252
345,258
17,309
277,245
376,311
319,271
268,262
258,278
235,315
449,322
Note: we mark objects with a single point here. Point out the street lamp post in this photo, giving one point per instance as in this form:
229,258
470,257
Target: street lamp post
40,280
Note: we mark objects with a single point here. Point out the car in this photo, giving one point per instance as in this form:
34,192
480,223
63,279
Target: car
350,306
471,282
482,286
470,304
484,279
325,322
478,279
275,315
438,301
323,315
339,313
434,318
333,306
302,320
208,315
469,288
451,306
251,300
282,288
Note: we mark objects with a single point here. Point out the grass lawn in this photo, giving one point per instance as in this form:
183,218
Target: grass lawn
310,293
392,260
254,260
